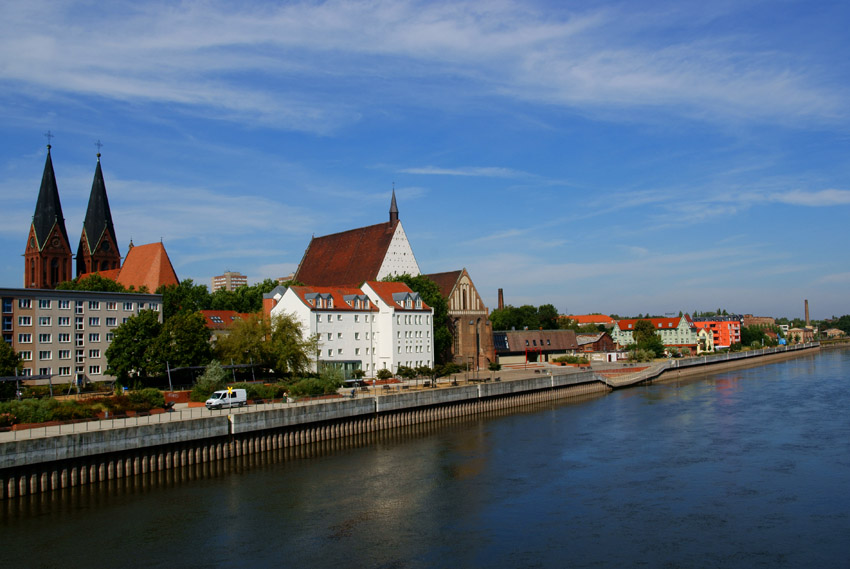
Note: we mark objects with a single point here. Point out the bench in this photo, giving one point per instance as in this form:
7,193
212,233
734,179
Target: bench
498,378
426,384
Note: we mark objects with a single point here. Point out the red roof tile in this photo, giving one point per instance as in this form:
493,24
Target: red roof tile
223,319
337,293
445,281
348,259
386,290
590,318
147,265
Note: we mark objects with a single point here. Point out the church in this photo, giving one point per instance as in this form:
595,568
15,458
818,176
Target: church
48,256
356,256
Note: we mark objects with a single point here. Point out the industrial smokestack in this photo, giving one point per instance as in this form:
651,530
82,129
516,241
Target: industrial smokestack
807,312
501,299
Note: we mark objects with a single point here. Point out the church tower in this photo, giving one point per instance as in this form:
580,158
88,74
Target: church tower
98,250
47,258
393,209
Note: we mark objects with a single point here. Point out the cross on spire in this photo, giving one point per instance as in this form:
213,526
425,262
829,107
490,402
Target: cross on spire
99,146
49,136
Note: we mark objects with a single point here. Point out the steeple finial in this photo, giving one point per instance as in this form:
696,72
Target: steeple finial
99,146
49,137
393,208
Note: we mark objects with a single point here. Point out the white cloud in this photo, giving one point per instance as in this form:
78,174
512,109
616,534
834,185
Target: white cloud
477,171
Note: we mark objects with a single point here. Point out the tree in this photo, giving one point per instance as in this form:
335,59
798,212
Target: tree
431,295
183,297
289,351
131,352
184,340
245,341
547,317
646,338
93,282
525,316
10,365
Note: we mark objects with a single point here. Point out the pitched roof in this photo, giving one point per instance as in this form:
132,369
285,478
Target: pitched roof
389,291
223,319
657,323
346,259
48,208
446,281
341,297
98,221
512,341
147,265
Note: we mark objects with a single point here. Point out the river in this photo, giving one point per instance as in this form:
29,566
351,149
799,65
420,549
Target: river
746,468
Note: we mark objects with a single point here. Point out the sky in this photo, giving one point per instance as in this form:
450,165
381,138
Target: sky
601,156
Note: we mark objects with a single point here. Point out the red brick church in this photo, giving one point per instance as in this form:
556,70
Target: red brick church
48,256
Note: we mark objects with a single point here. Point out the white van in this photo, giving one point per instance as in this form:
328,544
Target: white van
227,398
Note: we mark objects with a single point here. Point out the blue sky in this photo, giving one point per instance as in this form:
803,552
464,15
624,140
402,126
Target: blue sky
616,157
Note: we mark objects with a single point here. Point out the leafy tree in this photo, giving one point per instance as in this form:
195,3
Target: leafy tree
547,317
10,365
131,353
431,295
525,316
93,282
289,351
646,338
184,340
183,297
245,299
213,379
384,373
245,342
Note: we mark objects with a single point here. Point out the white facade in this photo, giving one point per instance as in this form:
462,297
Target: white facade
363,328
399,258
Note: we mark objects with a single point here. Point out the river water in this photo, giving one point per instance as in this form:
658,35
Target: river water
747,468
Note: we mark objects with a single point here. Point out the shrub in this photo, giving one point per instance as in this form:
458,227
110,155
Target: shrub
30,410
312,386
641,355
384,374
70,410
7,420
258,390
213,379
448,368
581,360
147,399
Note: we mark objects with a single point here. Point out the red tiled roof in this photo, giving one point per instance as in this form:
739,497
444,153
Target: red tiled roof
590,318
346,259
147,265
111,274
445,281
386,290
223,319
337,293
657,323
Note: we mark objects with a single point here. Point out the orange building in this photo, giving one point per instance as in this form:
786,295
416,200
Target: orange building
726,330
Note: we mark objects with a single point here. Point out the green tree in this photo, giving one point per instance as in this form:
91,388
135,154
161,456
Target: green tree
184,340
289,351
245,342
547,317
10,366
213,379
131,353
431,295
183,297
93,282
646,339
526,316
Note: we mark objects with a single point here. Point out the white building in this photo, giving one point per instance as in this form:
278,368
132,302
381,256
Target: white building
382,325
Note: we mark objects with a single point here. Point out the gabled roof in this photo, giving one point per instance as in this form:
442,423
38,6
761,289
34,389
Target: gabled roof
341,296
147,265
657,323
389,292
348,258
48,208
98,221
223,319
446,281
583,339
517,341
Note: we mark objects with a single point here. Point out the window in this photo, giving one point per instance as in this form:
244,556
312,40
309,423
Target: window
94,305
112,322
356,351
110,336
26,356
94,321
64,354
356,318
7,305
44,371
339,335
24,320
94,353
44,338
44,320
330,353
128,306
78,323
330,336
26,372
64,371
154,306
44,303
339,317
45,355
64,305
94,370
64,320
357,335
64,338
112,305
330,317
94,337
24,303
78,307
339,351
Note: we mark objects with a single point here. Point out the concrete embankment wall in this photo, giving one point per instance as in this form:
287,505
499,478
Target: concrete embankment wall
65,461
719,366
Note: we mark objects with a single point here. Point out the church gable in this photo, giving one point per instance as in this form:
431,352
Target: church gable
399,258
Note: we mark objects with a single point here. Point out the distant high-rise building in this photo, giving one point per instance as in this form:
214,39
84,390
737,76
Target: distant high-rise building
230,280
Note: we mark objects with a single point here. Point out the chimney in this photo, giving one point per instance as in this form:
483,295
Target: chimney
807,312
501,303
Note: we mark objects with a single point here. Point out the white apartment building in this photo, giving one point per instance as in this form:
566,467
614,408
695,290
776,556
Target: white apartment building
65,333
378,326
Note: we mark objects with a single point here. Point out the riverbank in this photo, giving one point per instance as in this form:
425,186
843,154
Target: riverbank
51,459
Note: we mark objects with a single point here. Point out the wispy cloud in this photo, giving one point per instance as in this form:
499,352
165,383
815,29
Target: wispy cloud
477,171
